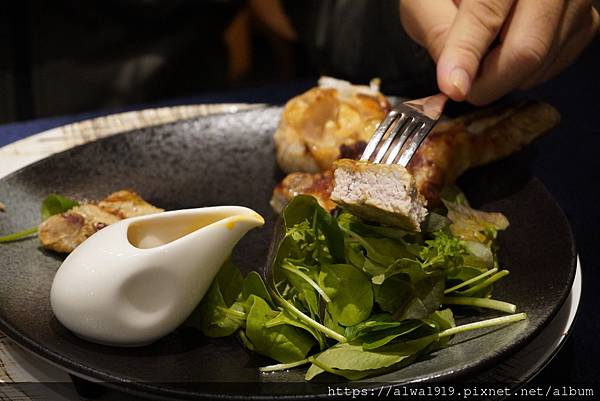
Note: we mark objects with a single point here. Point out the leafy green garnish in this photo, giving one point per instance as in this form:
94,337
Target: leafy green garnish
18,235
443,251
474,225
215,311
301,209
354,362
254,285
350,292
284,343
363,298
53,204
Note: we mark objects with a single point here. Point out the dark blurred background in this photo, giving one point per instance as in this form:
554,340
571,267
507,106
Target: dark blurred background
67,56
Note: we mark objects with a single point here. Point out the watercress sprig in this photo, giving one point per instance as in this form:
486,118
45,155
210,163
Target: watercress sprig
355,299
51,205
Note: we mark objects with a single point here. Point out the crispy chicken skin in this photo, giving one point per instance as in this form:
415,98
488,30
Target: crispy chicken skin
64,232
319,126
480,138
318,185
453,147
384,193
126,204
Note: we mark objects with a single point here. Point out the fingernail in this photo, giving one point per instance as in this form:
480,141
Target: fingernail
460,80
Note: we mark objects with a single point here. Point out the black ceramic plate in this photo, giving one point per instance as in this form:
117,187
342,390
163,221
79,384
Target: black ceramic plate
229,159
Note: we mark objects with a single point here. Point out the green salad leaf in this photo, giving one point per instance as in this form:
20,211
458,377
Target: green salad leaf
18,235
218,316
352,361
51,205
350,292
254,285
305,208
357,299
303,288
282,342
55,204
474,225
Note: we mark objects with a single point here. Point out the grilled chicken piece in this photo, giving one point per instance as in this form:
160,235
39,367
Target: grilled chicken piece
452,147
64,232
318,185
326,123
126,204
480,138
385,193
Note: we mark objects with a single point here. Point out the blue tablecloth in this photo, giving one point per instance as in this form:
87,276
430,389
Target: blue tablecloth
567,161
277,93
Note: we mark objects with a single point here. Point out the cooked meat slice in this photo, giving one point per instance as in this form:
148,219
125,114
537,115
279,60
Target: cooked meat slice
63,232
316,127
385,193
127,204
454,146
318,185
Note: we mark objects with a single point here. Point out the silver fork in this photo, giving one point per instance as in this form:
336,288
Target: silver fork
403,130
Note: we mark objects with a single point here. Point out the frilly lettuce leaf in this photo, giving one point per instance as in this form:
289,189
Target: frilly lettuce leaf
369,297
474,225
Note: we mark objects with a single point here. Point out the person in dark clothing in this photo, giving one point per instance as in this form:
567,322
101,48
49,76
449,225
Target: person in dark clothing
482,49
67,56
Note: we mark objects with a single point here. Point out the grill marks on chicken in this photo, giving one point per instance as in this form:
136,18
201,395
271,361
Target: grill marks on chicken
318,185
64,232
452,147
126,204
477,139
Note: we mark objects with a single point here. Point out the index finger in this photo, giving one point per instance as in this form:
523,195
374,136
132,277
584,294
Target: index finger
428,22
475,27
526,46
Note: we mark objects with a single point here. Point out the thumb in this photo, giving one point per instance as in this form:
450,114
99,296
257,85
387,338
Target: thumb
475,27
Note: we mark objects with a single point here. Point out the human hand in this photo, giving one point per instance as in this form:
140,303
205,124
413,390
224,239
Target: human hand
485,49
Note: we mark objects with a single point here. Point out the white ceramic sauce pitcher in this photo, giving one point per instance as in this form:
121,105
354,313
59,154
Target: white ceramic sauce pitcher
137,280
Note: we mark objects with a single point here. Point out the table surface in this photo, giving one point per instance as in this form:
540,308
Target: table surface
565,160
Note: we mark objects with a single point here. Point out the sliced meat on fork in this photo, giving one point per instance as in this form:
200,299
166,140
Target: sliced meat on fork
452,147
384,193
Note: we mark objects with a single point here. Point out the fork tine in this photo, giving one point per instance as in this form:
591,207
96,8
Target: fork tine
415,142
378,135
396,127
413,126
